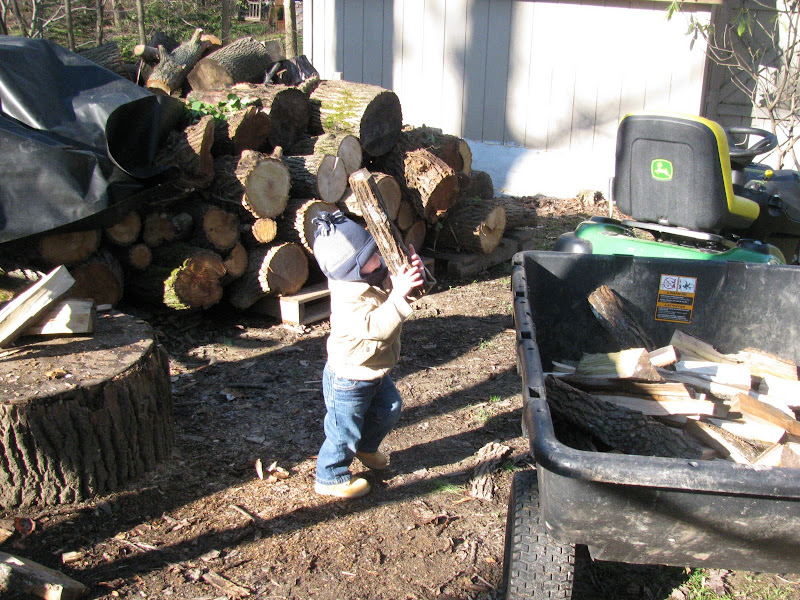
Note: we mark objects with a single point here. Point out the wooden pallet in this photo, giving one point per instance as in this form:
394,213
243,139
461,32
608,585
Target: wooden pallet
460,264
309,305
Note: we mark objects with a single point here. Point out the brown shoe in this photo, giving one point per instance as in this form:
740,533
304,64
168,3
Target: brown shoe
355,488
373,460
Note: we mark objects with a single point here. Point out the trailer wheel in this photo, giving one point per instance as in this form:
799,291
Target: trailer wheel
535,566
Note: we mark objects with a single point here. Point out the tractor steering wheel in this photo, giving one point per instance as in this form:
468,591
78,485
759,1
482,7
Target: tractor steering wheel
744,155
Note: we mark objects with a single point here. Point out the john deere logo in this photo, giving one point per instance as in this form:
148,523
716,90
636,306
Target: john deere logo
661,169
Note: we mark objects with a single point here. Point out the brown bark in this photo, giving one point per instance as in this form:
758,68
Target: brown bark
245,60
472,225
517,214
100,278
259,182
182,277
450,148
170,73
616,317
344,145
320,176
476,184
627,430
247,129
107,56
276,270
371,113
190,151
66,440
387,237
68,248
295,225
217,229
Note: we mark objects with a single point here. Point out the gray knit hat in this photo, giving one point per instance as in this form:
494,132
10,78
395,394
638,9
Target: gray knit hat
341,246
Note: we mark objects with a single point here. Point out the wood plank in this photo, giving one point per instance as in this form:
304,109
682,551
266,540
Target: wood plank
732,375
22,575
750,429
750,406
662,357
309,305
785,390
66,317
25,308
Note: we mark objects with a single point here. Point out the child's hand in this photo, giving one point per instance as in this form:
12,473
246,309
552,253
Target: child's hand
410,277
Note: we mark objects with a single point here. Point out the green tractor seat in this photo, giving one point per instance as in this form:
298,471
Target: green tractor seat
675,170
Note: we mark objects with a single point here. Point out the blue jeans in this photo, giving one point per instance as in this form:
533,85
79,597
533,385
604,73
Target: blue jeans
359,415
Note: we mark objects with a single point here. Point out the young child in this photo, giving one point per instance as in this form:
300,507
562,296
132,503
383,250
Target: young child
361,401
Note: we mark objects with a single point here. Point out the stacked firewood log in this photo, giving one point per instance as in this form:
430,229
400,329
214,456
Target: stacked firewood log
684,400
235,224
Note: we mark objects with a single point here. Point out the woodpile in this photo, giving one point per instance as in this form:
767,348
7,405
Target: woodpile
684,400
250,171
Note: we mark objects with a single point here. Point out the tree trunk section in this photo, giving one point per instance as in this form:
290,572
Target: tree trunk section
137,256
453,150
68,248
168,76
217,229
476,184
344,145
271,271
100,278
406,214
415,235
371,113
248,129
256,181
517,214
126,231
617,318
245,60
190,151
296,224
624,429
69,439
472,225
107,56
320,176
235,262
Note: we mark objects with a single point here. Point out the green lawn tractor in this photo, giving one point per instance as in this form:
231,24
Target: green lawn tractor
692,192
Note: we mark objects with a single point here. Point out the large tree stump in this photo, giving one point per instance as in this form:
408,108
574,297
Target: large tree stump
344,145
245,60
271,271
320,176
287,106
371,113
66,439
472,225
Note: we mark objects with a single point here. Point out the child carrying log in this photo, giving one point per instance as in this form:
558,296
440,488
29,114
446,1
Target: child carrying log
368,309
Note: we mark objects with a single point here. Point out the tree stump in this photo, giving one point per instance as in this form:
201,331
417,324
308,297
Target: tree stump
371,113
66,439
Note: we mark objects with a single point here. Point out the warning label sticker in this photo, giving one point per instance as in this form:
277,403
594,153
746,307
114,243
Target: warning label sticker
676,298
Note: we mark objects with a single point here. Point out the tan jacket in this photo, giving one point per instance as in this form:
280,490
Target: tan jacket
366,321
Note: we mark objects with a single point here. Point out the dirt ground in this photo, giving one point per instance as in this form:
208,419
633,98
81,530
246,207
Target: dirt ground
203,525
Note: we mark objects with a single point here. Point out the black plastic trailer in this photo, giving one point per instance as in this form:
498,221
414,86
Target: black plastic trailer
642,509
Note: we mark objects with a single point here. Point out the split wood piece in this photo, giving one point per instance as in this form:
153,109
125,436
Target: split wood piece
138,256
478,184
450,148
68,248
162,227
126,231
762,364
190,152
633,363
217,229
471,225
627,430
260,231
765,412
344,145
259,182
287,107
518,215
182,277
235,261
406,214
785,390
68,439
686,343
20,575
170,72
66,317
663,357
416,234
245,60
616,316
659,408
100,278
752,430
29,305
654,391
107,56
271,271
296,224
780,455
702,384
371,113
387,237
320,176
726,443
488,457
731,375
247,129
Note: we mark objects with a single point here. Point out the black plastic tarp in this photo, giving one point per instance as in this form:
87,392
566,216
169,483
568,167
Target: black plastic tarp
77,142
